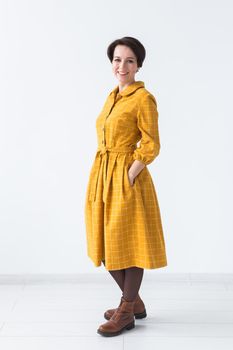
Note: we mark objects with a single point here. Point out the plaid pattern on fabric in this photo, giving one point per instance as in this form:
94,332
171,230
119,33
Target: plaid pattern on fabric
123,221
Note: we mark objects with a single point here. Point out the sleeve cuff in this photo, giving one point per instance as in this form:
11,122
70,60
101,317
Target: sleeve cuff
144,160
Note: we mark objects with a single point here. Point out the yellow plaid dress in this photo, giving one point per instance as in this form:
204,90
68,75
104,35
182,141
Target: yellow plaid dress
123,222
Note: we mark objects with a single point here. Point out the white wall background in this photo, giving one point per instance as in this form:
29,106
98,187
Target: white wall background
55,77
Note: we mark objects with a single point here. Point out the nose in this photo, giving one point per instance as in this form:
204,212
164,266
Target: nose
121,65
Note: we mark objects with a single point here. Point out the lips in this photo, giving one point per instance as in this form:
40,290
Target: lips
122,73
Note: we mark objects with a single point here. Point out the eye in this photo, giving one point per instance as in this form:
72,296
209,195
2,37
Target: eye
117,59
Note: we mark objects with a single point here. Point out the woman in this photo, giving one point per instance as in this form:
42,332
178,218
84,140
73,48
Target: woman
122,215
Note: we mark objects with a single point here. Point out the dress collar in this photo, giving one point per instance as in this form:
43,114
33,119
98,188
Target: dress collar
129,89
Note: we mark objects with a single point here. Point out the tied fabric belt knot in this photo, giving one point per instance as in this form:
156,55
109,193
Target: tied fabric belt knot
102,156
105,150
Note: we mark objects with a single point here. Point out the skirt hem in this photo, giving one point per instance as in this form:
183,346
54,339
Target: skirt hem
136,263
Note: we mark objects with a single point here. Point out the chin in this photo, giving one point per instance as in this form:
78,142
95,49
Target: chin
123,78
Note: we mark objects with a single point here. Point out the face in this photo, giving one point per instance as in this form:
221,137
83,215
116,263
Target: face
124,64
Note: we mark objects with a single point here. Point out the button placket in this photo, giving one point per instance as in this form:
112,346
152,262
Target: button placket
103,128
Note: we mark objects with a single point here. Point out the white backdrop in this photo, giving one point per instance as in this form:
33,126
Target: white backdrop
55,77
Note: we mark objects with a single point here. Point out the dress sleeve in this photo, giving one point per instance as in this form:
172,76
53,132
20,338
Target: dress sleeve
147,122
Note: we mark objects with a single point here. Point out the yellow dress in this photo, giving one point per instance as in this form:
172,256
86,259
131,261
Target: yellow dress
123,222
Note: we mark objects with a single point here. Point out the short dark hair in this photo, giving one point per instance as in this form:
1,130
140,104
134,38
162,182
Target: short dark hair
134,44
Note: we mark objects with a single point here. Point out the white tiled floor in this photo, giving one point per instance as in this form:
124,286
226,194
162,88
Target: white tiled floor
184,312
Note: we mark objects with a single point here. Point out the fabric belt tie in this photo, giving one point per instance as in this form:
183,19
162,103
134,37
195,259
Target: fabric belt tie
104,150
102,155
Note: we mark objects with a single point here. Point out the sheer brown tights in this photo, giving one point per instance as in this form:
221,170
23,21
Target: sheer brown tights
129,280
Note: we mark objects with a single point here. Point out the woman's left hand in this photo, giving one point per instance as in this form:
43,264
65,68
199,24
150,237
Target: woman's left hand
131,179
134,170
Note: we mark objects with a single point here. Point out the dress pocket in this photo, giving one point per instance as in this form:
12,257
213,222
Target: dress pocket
129,180
127,175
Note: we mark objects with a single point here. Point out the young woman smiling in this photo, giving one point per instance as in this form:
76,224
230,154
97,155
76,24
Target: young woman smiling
123,223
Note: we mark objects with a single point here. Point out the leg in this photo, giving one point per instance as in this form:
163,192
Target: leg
123,317
132,283
119,276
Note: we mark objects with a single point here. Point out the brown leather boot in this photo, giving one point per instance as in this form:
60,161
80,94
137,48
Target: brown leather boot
139,309
123,318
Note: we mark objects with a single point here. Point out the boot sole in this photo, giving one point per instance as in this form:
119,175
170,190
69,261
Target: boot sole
112,334
137,316
141,315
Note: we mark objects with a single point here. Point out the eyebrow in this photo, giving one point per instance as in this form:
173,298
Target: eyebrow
126,57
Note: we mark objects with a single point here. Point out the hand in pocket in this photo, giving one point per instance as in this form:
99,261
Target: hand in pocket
131,179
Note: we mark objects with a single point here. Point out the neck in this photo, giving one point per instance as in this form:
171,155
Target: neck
124,86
